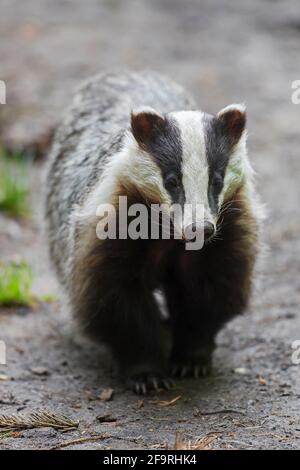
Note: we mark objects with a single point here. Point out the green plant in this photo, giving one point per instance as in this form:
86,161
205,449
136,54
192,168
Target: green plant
15,284
14,185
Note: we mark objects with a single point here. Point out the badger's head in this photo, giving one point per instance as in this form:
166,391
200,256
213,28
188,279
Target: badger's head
190,158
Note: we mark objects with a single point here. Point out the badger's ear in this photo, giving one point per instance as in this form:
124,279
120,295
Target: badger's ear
233,120
146,123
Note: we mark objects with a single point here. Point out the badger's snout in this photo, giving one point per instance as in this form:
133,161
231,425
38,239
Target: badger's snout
209,230
206,229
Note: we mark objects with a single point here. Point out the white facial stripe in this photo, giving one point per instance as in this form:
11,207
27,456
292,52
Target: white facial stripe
195,171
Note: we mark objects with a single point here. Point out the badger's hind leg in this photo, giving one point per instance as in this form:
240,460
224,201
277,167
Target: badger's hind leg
207,288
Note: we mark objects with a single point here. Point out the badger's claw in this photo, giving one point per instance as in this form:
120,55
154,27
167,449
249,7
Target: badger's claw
191,368
144,383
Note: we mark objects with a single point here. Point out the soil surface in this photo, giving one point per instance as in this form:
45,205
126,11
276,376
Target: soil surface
223,52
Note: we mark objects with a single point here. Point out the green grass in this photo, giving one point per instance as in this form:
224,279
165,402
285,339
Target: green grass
15,284
14,185
48,298
7,434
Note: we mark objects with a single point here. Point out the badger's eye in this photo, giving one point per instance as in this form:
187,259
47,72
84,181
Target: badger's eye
171,182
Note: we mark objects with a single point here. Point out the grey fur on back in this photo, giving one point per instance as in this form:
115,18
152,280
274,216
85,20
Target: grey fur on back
91,132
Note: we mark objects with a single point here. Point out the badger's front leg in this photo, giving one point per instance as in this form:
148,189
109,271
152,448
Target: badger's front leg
206,304
126,318
138,342
193,333
205,289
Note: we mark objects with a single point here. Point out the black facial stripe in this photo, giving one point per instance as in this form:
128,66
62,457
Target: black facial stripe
166,149
218,146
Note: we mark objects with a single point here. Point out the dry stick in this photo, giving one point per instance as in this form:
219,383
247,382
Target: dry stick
207,413
100,437
81,440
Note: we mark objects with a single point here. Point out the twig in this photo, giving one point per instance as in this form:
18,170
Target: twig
235,441
81,440
216,412
99,437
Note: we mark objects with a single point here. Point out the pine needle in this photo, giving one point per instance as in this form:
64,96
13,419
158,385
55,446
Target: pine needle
37,419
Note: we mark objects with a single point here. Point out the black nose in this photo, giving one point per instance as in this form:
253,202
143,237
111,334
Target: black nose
209,230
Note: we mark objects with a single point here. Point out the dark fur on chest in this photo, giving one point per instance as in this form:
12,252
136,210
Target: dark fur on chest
203,289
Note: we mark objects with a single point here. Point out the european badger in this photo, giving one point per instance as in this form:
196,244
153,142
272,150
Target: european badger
165,152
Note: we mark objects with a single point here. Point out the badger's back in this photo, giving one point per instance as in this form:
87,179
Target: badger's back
91,132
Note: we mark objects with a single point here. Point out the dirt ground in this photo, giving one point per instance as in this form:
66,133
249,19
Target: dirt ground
222,52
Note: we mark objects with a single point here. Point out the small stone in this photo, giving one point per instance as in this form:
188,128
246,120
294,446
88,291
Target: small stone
4,377
241,371
107,418
39,370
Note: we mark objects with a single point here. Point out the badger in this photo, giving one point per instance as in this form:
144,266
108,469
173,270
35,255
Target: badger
142,136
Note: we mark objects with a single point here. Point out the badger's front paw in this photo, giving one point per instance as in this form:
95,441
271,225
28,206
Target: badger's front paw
144,382
197,365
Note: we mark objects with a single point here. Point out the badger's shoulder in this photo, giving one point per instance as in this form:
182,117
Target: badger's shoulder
93,130
94,125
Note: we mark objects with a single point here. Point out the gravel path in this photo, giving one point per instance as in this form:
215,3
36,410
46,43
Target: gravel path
223,52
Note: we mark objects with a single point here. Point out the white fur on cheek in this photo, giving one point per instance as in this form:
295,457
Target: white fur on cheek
133,164
130,163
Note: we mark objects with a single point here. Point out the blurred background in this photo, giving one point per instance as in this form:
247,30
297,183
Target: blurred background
222,52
